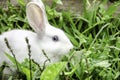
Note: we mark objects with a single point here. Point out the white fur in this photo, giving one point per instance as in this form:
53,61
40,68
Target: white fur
39,40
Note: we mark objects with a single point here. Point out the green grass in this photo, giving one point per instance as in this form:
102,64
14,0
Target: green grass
95,35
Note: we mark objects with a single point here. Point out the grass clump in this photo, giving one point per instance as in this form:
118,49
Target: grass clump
95,35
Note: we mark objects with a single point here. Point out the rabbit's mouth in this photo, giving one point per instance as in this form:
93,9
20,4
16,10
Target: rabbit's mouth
56,58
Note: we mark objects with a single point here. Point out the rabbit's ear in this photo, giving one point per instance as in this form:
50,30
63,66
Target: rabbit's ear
36,17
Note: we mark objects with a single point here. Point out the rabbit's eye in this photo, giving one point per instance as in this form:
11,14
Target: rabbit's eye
55,38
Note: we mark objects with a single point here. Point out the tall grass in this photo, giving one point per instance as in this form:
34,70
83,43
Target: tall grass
95,35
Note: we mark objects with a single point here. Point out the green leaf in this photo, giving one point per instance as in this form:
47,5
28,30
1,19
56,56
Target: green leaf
12,59
72,40
117,74
58,2
21,2
10,78
27,73
104,63
112,9
52,71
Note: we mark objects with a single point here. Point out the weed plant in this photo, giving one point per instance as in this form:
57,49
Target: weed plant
95,35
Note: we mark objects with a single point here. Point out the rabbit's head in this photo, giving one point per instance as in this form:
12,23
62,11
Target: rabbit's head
52,40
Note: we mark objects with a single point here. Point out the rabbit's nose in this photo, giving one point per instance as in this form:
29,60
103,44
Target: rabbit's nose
71,48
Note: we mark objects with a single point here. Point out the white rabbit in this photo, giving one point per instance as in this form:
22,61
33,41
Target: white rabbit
46,37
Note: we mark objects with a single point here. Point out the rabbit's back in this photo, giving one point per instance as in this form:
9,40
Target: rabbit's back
17,42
